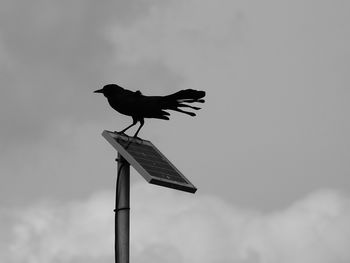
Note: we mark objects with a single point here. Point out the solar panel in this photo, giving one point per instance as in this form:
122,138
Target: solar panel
148,161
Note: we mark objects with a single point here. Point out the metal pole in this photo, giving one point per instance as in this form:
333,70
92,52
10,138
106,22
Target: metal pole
122,212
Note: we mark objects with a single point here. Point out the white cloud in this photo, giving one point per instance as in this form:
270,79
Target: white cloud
167,226
51,232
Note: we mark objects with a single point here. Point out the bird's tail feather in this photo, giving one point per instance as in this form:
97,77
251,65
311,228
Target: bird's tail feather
188,106
177,100
183,111
187,95
191,100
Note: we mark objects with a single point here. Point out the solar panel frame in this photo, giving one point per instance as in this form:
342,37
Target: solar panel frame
141,165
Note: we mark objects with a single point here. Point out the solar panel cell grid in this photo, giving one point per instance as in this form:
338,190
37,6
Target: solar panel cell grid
151,160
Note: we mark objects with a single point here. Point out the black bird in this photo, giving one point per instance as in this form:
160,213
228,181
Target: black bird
138,106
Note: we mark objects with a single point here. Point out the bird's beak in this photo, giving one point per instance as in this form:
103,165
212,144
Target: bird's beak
98,91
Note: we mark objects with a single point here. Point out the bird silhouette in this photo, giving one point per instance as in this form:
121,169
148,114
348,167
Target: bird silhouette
139,106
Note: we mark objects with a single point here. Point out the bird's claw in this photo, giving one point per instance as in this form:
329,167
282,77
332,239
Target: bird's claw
137,139
120,133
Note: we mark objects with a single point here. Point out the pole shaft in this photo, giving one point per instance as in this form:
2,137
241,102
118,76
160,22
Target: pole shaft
122,212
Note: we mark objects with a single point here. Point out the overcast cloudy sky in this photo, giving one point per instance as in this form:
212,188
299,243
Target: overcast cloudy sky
269,151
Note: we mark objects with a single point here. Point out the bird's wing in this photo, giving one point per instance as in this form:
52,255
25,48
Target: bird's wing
148,106
137,105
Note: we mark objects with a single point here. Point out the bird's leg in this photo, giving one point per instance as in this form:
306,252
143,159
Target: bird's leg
132,124
142,122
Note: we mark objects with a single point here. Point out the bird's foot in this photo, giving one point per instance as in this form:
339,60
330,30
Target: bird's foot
120,133
137,139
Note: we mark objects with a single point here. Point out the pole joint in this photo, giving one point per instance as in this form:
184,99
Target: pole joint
121,208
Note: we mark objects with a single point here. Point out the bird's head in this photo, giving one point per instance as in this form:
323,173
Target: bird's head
110,90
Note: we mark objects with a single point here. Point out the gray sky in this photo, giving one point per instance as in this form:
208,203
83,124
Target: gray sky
269,151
